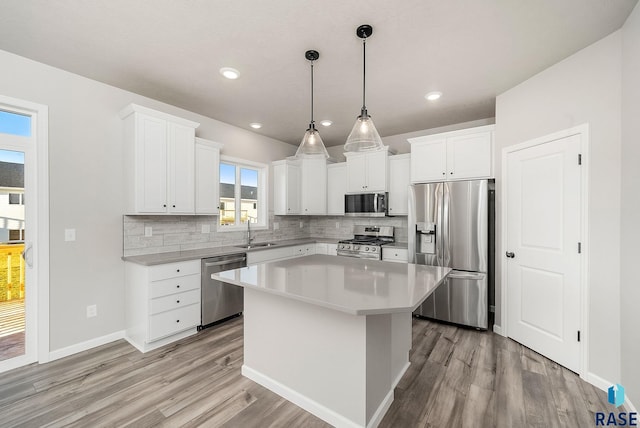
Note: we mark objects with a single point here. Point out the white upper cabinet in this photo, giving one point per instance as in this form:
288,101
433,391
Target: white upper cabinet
159,162
399,180
286,187
457,155
336,188
314,186
367,172
300,186
207,177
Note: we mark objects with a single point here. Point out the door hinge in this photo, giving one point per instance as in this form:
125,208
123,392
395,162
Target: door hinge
579,159
579,247
578,335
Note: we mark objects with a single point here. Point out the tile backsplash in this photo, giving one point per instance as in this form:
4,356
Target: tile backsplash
178,233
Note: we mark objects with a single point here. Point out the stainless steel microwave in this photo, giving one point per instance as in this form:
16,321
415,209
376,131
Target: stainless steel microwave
366,204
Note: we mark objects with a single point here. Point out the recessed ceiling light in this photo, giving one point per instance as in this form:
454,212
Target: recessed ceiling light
326,122
255,125
432,96
230,73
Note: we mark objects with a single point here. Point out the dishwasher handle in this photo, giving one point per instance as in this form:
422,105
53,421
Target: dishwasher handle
225,262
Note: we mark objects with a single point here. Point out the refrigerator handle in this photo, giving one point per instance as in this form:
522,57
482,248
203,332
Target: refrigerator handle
446,233
438,228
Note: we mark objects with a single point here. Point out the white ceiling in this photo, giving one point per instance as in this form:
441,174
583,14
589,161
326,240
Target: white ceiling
171,50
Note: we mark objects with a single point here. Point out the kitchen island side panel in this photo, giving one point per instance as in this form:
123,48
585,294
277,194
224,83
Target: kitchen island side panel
334,365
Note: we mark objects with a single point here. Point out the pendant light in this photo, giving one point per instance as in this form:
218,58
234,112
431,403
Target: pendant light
311,144
364,136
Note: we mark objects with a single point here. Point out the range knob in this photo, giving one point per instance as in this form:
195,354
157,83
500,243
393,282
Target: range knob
366,248
374,249
356,247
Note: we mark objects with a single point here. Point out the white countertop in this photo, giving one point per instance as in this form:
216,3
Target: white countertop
351,285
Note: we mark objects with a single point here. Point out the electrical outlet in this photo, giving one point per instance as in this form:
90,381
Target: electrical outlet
148,231
206,228
337,225
492,308
69,235
276,226
301,225
92,311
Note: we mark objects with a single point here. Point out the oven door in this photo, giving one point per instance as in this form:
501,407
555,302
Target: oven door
366,205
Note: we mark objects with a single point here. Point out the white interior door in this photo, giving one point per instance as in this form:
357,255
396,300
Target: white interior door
543,227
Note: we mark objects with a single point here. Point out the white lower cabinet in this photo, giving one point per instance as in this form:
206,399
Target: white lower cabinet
394,254
289,252
162,303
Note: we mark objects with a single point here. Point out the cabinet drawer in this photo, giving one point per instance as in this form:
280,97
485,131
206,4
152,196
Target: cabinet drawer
174,285
173,270
170,322
395,254
174,301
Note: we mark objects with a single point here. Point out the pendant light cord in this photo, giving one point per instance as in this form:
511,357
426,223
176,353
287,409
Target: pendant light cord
312,124
364,73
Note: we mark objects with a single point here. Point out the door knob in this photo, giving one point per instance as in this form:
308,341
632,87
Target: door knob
510,255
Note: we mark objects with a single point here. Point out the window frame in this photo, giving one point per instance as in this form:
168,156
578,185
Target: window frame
263,194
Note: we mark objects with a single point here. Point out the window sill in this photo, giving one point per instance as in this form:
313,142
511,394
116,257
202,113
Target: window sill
242,228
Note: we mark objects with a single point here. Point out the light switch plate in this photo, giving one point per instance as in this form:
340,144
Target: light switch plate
276,226
92,311
148,231
206,228
301,225
69,235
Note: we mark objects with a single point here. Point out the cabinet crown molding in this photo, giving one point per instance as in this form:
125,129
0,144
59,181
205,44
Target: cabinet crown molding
135,108
424,138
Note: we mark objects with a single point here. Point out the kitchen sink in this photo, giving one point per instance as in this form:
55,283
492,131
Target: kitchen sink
259,245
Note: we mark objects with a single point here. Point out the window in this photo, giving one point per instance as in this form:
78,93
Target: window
15,124
243,194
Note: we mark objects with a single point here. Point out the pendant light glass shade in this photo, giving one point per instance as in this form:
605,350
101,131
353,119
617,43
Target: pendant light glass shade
311,144
364,135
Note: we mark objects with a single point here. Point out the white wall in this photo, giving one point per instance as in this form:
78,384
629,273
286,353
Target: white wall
629,248
85,184
584,88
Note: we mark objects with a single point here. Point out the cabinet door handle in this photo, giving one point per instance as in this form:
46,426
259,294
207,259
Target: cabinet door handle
164,205
177,320
510,255
177,301
175,206
177,286
177,270
451,173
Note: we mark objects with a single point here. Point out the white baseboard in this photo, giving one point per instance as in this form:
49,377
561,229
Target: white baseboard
597,381
402,372
313,406
629,405
83,346
497,330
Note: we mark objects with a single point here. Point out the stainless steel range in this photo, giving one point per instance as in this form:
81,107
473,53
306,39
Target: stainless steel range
367,242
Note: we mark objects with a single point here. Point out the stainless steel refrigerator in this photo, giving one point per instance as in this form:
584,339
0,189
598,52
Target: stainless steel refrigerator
449,225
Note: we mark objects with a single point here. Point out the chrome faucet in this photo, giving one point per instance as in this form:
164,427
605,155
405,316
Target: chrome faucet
249,238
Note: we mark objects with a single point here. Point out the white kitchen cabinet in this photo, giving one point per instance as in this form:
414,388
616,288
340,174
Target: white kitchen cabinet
456,155
367,171
314,186
395,254
300,186
162,303
159,160
280,253
399,181
286,187
207,177
336,188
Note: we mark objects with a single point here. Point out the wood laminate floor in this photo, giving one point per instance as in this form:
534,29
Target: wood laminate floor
457,378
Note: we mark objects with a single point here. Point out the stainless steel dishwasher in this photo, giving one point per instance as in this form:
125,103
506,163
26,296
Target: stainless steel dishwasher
220,300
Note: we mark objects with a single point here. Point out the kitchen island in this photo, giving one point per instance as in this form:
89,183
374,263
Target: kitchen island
331,334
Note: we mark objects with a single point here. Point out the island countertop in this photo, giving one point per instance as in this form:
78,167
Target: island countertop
350,285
